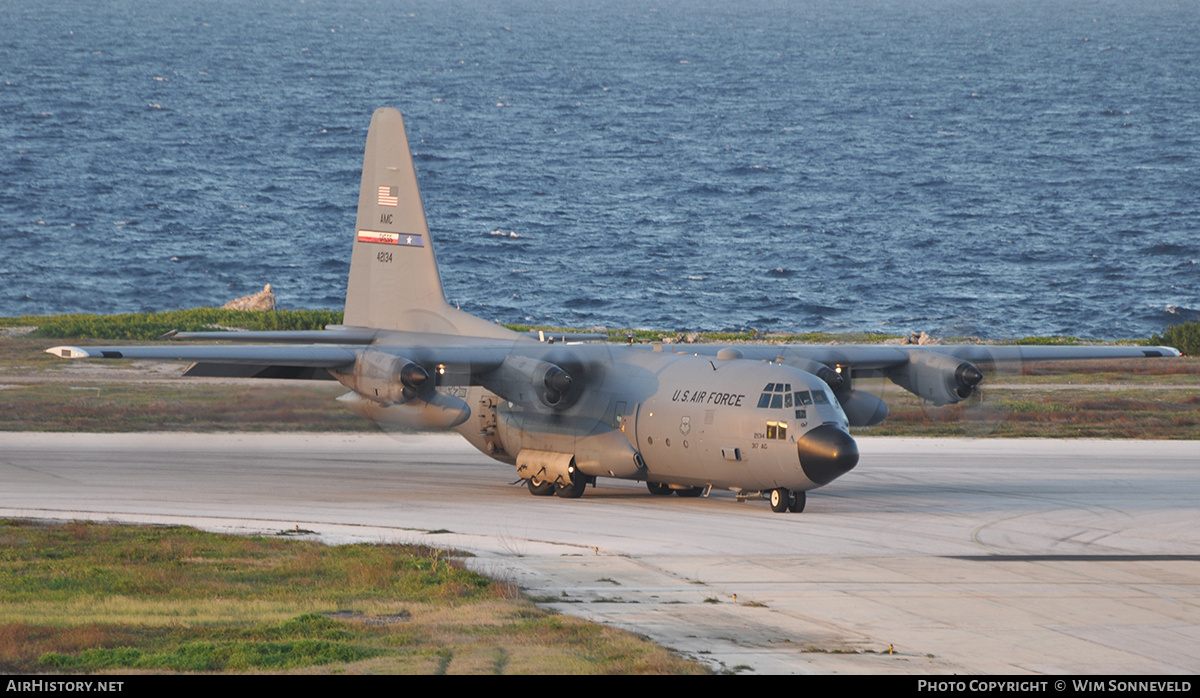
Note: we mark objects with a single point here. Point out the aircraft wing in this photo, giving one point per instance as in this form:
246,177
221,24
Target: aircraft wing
312,356
457,362
485,354
877,357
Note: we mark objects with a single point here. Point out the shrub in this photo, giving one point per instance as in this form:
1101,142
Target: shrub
1185,338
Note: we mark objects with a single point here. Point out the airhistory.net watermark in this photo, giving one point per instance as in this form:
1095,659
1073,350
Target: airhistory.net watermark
45,685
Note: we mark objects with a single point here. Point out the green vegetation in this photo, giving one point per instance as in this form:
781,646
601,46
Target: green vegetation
149,326
83,597
1065,341
152,326
1185,338
623,335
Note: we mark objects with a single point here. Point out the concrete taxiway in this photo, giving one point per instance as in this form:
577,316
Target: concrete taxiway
967,556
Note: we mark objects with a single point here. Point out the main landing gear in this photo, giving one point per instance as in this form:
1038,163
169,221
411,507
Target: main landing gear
783,500
545,488
573,489
663,490
540,488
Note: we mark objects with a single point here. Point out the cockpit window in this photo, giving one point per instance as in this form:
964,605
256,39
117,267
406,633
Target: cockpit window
820,397
803,398
777,396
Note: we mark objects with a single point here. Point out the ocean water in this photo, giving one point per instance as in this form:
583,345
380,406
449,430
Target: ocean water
981,167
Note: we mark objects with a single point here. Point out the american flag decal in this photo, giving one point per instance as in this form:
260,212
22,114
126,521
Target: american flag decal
376,236
382,238
389,196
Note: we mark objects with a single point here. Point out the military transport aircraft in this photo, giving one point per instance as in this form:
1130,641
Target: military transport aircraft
770,419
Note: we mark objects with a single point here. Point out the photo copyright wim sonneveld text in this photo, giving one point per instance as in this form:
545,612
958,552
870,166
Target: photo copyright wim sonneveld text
1059,685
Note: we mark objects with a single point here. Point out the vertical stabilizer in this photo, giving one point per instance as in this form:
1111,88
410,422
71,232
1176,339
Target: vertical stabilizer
394,282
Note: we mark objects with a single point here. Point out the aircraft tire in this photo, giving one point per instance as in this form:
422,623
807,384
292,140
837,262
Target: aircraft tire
540,488
658,488
796,502
779,500
690,492
574,490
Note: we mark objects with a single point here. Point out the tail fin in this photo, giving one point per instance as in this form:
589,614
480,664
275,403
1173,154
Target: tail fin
394,282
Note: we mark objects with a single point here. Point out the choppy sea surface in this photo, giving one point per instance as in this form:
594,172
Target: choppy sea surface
981,167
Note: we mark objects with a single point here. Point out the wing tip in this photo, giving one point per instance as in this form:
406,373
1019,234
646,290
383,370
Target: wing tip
65,352
1160,352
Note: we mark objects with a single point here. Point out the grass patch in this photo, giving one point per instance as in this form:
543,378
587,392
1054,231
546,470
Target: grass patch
1049,413
183,406
84,597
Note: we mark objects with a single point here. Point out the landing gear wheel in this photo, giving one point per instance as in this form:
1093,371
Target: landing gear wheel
690,492
779,500
540,488
796,502
572,490
658,488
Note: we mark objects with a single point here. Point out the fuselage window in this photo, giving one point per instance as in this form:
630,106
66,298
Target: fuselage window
777,430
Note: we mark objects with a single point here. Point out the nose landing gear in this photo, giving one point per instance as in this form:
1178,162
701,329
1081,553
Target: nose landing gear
784,500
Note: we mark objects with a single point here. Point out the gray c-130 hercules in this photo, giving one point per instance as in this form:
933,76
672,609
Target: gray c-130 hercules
766,419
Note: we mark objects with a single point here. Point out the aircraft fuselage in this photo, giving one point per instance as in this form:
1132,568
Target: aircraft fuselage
677,419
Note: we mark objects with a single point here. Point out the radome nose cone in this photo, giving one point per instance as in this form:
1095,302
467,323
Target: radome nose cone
827,453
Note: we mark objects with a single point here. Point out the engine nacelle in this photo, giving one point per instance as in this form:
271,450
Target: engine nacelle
529,382
937,377
386,378
831,377
862,409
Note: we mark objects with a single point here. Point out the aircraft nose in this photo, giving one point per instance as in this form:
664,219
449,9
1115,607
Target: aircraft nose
827,453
